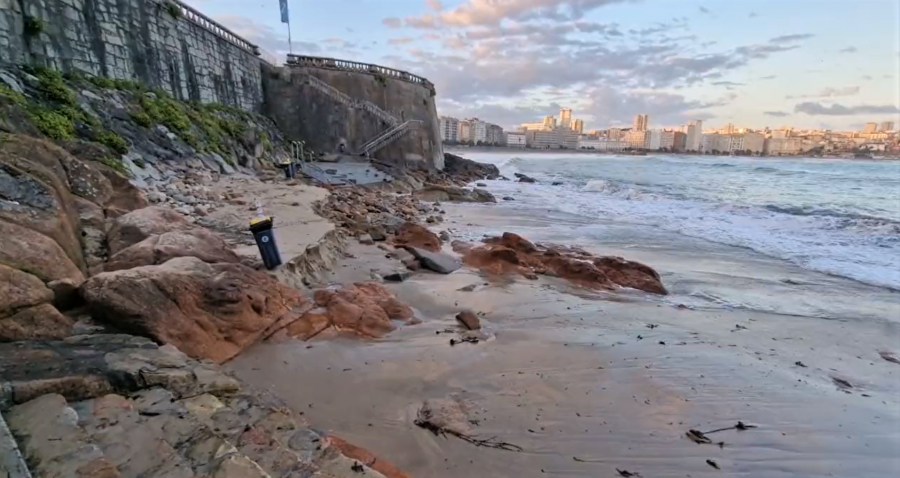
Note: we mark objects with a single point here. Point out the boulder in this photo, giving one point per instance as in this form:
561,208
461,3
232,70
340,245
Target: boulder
20,290
126,196
437,193
513,254
37,199
469,320
435,261
525,179
157,249
378,233
134,227
466,170
366,309
631,274
396,276
415,235
366,239
209,311
28,250
39,322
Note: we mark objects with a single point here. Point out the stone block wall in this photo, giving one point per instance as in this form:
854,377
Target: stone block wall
161,43
303,113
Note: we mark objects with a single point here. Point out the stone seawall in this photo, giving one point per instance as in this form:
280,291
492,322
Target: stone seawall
303,113
162,43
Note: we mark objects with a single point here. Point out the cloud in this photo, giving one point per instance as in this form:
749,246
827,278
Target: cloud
705,10
401,40
264,36
392,22
812,108
752,15
493,12
849,49
791,38
770,77
777,114
726,83
435,5
829,93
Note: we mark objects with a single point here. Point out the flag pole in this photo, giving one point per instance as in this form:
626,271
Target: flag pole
290,42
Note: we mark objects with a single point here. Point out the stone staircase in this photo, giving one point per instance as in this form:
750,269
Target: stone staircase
342,98
396,130
388,137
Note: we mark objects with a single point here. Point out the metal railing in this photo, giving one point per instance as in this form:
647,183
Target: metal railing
341,97
212,26
388,137
347,65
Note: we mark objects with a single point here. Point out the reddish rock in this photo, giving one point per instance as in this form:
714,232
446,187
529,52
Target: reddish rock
512,254
365,457
38,322
136,226
366,309
631,274
468,319
28,250
20,290
208,311
419,236
198,242
42,202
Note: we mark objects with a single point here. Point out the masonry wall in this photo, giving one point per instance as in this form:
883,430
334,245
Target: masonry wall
133,39
304,113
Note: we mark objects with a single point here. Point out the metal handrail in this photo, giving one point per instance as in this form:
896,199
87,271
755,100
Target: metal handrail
347,65
388,136
213,27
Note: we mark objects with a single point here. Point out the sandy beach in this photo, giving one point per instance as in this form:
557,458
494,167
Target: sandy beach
589,383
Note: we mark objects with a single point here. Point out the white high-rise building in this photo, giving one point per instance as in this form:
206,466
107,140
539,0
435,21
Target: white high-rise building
449,129
565,118
694,133
641,123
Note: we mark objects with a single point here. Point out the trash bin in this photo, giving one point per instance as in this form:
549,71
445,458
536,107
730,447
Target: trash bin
265,240
290,170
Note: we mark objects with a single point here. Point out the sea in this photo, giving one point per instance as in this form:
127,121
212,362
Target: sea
836,216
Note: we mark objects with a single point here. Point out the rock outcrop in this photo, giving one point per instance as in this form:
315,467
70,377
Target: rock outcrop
525,178
466,170
26,311
209,311
437,193
513,254
365,309
435,261
157,249
134,227
418,236
25,249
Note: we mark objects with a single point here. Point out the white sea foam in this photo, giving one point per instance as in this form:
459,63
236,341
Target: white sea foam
835,239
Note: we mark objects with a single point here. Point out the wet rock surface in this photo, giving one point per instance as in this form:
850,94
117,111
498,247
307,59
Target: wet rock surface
435,261
432,193
418,236
365,309
467,171
513,254
209,311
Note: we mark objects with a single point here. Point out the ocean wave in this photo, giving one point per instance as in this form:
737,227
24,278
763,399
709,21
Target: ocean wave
723,165
613,189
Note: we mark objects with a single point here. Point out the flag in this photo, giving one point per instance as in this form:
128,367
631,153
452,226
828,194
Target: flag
285,14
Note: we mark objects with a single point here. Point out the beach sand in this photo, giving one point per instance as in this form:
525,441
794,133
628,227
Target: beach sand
585,387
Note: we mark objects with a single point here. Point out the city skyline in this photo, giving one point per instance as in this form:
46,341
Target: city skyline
509,60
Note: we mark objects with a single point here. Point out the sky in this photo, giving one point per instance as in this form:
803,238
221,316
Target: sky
832,64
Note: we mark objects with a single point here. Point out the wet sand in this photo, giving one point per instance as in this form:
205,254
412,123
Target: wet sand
579,381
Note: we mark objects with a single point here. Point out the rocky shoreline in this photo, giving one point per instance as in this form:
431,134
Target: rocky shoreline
128,281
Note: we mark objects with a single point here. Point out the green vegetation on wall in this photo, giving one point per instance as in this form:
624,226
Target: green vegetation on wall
33,26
